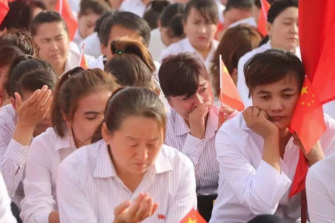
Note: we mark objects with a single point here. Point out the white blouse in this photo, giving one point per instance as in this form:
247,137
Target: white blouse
320,188
47,151
88,188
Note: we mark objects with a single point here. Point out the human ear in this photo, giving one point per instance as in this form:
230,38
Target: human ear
105,133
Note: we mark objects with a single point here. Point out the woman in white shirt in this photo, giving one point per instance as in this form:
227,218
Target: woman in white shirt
128,175
320,189
283,33
256,152
200,24
78,106
29,86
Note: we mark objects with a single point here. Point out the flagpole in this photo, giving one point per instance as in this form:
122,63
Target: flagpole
220,78
263,8
82,53
60,10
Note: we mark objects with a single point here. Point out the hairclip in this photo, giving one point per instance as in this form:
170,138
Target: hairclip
119,52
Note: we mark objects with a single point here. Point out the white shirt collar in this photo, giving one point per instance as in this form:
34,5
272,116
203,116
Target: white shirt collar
105,168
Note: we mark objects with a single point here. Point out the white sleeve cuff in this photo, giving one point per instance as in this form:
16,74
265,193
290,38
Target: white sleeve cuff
270,184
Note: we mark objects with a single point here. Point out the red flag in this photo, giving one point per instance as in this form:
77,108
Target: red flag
193,217
262,20
65,11
3,9
317,39
308,123
82,61
228,92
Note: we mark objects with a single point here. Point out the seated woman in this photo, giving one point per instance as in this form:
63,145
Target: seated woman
30,88
128,175
77,110
320,189
256,152
282,25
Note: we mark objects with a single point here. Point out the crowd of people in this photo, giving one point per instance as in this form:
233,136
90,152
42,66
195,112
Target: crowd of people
139,133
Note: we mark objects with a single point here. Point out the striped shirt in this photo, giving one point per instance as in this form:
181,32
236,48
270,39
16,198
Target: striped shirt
47,151
88,188
13,155
200,151
5,212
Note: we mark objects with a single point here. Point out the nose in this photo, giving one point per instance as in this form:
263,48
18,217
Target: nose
142,153
294,28
197,100
276,104
53,45
203,28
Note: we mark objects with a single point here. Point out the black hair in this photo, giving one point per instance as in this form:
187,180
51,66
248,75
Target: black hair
46,17
207,8
179,74
21,39
271,66
278,7
95,6
29,73
127,20
239,4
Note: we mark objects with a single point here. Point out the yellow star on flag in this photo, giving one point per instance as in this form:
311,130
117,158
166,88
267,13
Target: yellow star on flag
190,220
304,90
225,69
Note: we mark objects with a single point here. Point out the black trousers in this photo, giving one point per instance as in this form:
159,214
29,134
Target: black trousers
266,219
16,212
205,205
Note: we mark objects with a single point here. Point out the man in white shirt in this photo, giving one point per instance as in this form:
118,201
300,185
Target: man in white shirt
192,121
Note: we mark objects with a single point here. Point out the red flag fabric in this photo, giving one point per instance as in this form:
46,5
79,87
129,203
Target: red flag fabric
3,9
308,123
228,92
193,217
317,39
298,183
262,20
82,61
65,11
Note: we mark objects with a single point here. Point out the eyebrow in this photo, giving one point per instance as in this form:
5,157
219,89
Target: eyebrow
282,91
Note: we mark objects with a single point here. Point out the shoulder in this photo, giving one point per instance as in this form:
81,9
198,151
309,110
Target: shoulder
7,117
82,157
253,52
177,159
174,48
322,171
7,112
48,137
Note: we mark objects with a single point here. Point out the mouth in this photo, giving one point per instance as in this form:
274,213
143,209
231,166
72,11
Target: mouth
202,38
276,118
